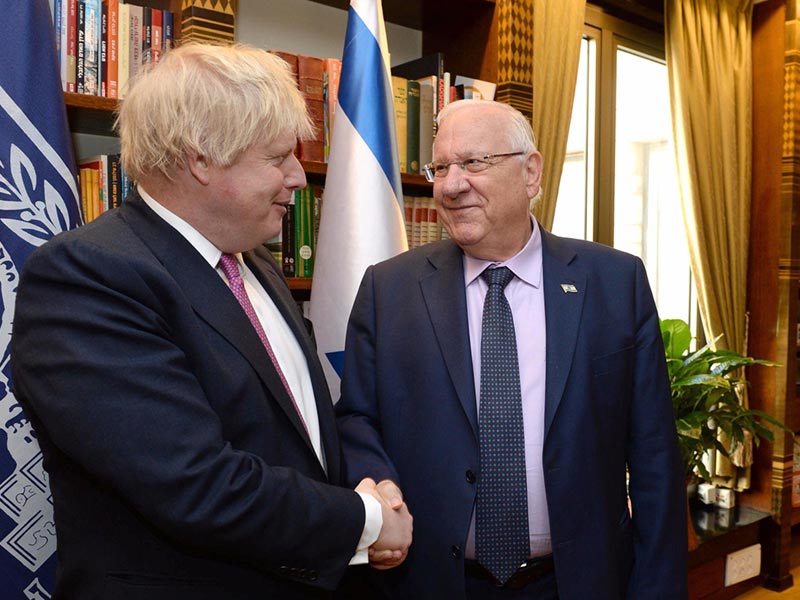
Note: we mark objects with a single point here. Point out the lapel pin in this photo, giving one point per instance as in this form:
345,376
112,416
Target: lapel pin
569,288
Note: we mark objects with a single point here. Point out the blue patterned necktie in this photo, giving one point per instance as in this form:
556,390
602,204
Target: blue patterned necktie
501,522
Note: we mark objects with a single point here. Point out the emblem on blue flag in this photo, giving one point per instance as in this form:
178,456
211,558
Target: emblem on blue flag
38,199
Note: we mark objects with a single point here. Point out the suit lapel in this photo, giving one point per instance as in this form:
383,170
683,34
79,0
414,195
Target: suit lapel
274,284
562,315
445,298
209,297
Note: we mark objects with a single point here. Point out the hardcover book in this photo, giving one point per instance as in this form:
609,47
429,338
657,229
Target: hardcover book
310,78
400,97
412,125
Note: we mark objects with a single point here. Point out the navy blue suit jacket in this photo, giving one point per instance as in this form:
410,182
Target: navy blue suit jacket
408,413
178,465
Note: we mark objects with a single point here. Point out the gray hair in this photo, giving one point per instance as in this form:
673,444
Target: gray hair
520,131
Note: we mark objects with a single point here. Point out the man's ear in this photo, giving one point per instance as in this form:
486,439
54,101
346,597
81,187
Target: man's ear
533,166
200,168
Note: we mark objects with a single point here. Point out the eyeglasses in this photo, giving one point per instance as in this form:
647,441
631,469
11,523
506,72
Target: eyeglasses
474,164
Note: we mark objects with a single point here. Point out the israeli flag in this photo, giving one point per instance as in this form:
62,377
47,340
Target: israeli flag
362,214
38,199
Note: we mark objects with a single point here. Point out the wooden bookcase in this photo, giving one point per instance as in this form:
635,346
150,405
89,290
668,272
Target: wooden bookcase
468,37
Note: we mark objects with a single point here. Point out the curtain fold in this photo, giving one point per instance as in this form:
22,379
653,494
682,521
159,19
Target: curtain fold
557,32
708,48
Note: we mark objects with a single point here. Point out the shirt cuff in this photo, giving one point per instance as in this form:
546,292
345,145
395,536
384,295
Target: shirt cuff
373,522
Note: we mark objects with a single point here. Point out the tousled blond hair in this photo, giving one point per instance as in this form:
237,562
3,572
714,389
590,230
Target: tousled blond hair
209,100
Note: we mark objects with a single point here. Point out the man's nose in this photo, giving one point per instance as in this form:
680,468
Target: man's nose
294,177
454,182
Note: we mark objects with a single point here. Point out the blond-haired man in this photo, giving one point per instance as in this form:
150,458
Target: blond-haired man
182,413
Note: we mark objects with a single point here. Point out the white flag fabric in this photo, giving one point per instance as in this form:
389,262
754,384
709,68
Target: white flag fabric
362,217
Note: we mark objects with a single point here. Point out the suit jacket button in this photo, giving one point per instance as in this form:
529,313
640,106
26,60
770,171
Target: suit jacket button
470,476
456,551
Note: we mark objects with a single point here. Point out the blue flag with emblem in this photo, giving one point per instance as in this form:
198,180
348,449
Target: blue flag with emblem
362,216
38,199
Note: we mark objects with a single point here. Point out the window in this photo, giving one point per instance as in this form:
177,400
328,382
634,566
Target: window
619,183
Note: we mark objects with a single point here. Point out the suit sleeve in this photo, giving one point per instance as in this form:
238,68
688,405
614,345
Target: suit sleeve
358,410
98,358
657,487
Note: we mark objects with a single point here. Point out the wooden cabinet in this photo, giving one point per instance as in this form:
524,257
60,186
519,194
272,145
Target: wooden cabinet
773,272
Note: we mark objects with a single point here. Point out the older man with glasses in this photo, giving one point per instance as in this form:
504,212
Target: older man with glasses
510,382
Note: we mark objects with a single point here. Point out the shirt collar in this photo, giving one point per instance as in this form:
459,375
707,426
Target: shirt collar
526,264
207,250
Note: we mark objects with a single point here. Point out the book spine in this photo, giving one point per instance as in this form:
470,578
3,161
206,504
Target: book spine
287,235
304,232
412,126
408,216
113,48
310,78
114,187
147,34
400,96
96,193
103,68
333,73
427,118
124,44
103,183
80,62
60,24
168,31
72,45
83,178
156,34
135,49
91,51
434,229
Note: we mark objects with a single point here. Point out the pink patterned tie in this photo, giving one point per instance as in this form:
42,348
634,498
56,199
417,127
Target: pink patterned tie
230,266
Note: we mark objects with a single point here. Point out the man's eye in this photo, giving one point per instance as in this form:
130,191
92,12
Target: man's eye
440,168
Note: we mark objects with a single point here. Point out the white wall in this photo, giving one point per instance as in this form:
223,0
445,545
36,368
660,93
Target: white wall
306,27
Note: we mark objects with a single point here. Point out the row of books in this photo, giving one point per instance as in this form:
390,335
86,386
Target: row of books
318,80
103,184
294,248
102,43
420,89
422,222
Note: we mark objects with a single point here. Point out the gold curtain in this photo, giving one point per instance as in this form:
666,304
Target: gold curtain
708,44
557,31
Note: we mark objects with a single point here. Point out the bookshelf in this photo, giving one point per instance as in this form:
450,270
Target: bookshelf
468,37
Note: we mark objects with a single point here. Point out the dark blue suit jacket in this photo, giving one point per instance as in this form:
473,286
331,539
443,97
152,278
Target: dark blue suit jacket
178,465
408,413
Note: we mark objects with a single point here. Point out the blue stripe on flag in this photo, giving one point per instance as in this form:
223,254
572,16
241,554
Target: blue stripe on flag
363,95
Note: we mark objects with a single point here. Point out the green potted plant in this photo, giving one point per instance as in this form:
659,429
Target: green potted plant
705,399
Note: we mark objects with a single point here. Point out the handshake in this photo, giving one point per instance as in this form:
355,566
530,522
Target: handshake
391,547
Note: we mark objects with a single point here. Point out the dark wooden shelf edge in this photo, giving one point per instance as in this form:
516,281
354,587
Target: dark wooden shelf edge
299,283
414,180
